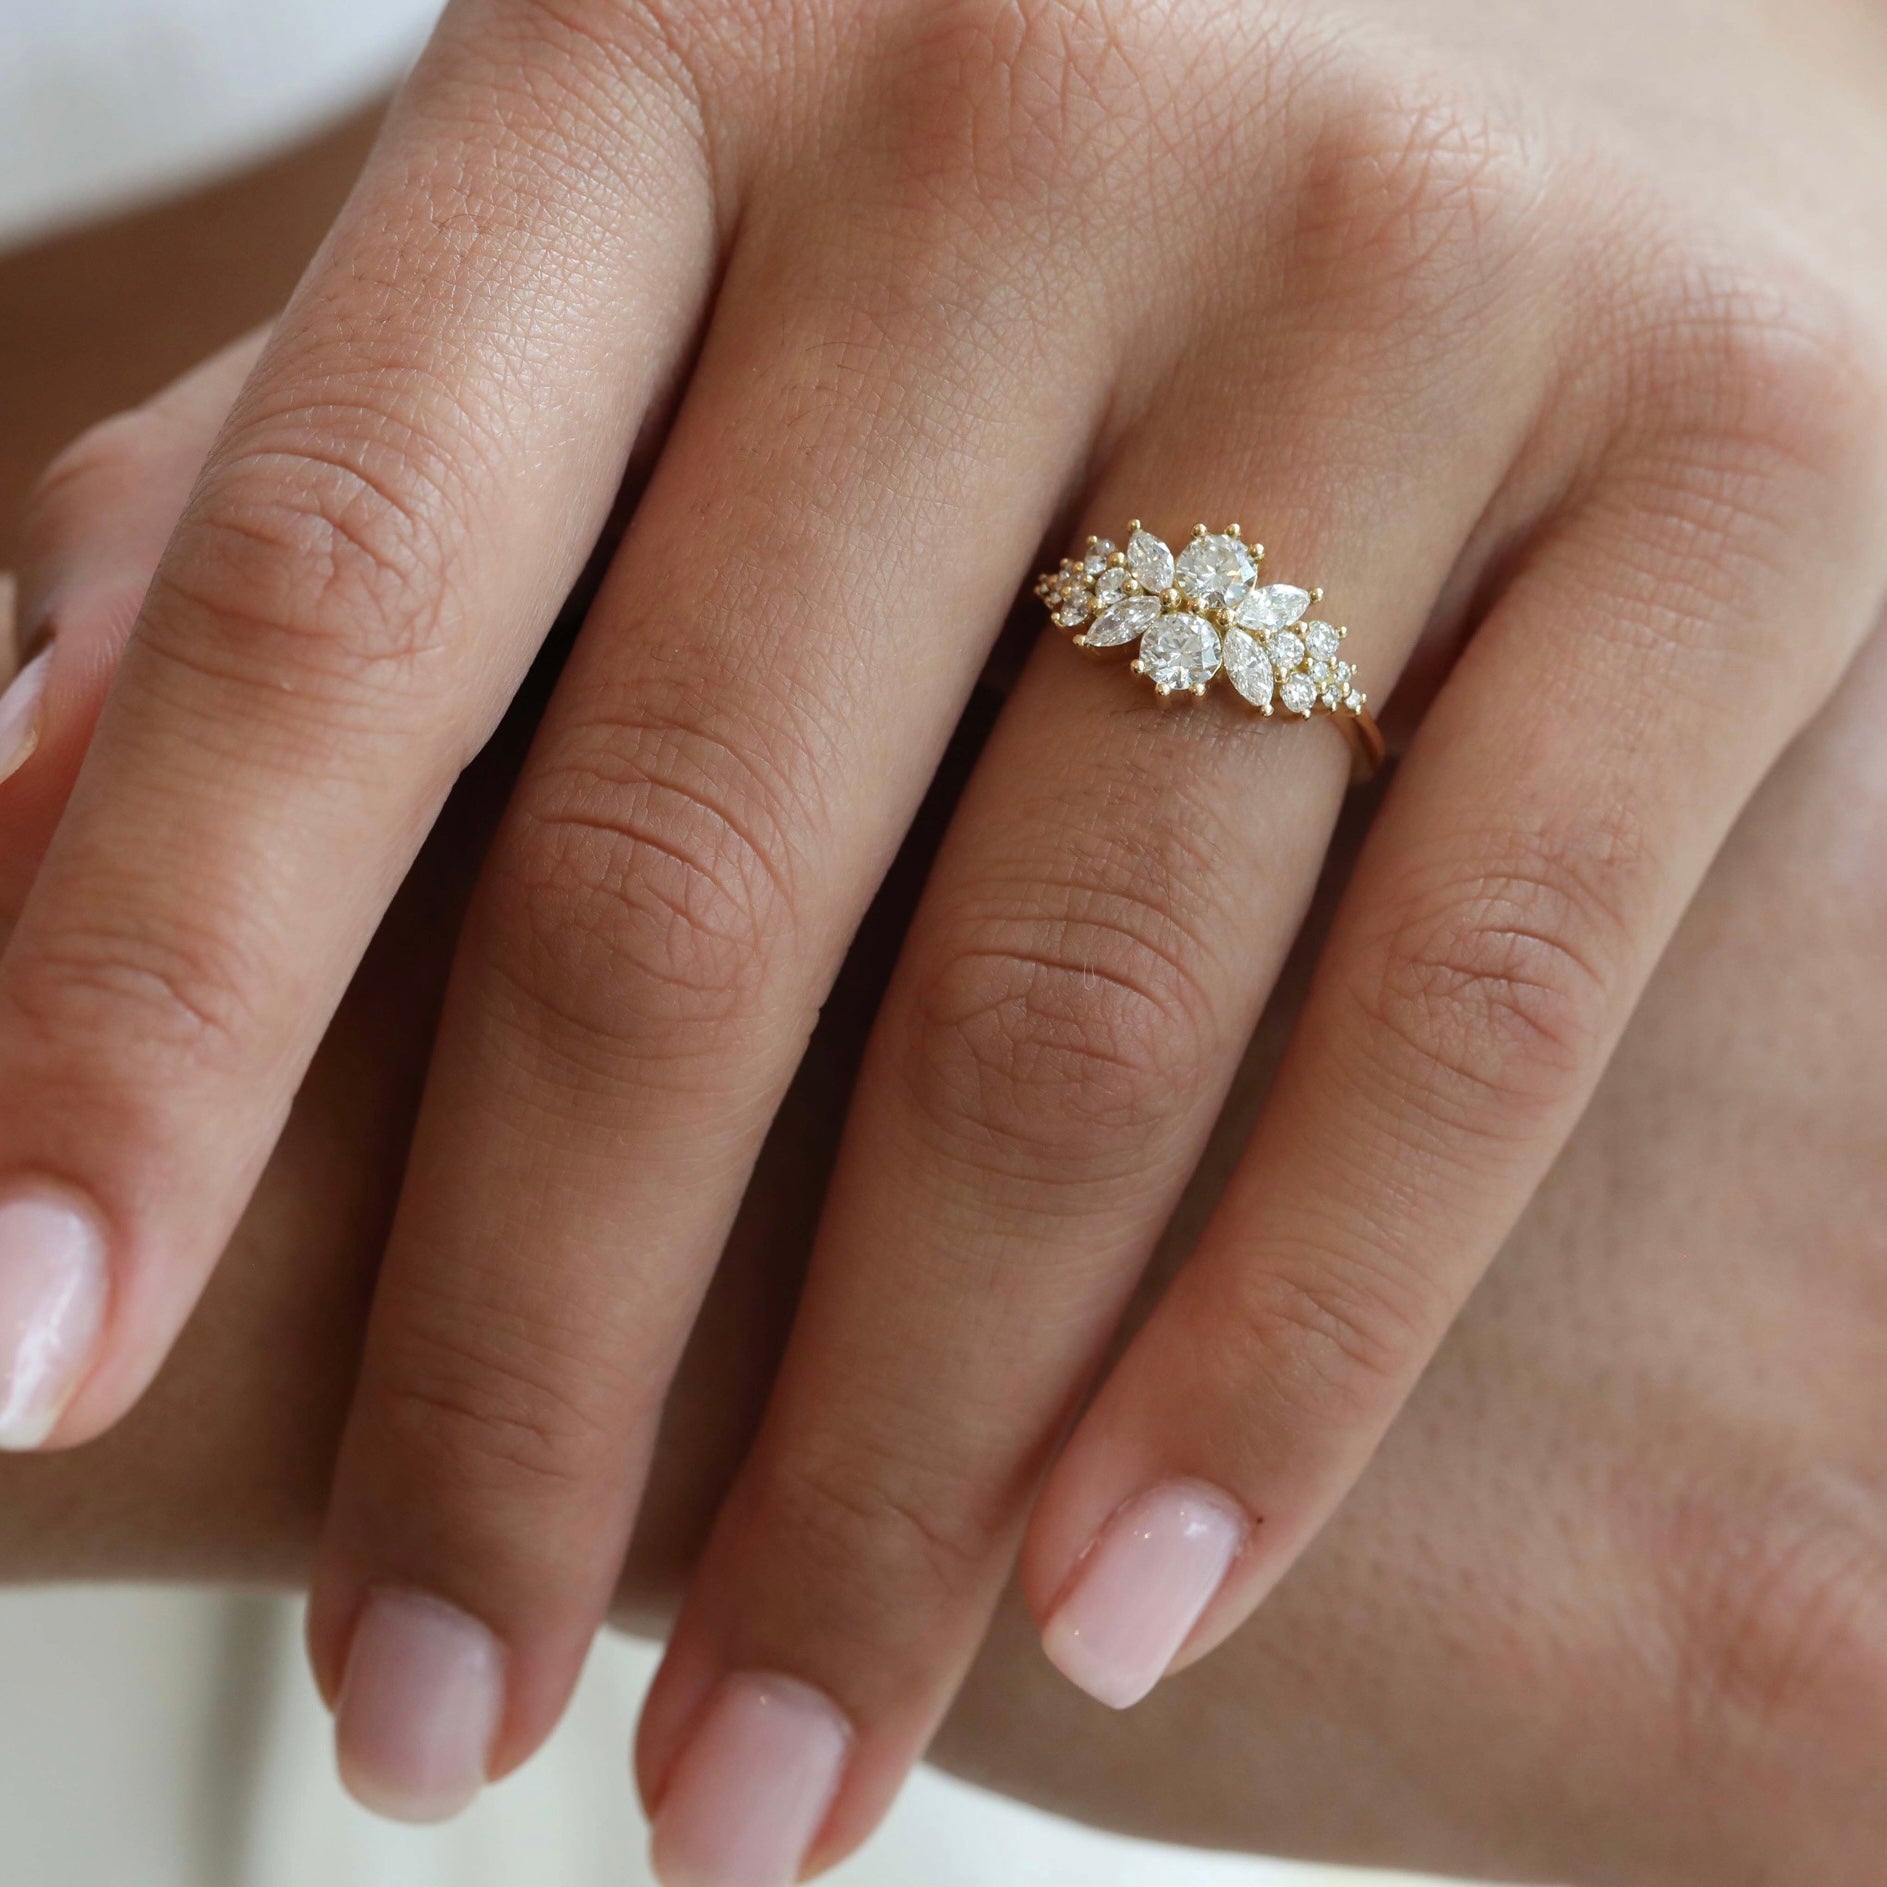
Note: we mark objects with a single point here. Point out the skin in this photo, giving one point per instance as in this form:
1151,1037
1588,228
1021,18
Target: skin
1608,1606
1640,566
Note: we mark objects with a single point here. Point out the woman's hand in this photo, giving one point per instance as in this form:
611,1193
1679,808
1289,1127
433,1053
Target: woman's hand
1573,372
1608,1606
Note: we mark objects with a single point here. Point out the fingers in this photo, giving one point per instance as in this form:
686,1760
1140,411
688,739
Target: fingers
1116,894
1559,806
405,493
94,532
753,712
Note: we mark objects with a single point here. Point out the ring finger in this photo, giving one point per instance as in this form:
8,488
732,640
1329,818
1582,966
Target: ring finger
1100,932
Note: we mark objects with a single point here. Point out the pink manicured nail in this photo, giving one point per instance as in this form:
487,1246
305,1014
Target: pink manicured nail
52,1302
751,1787
419,1705
1141,1588
19,714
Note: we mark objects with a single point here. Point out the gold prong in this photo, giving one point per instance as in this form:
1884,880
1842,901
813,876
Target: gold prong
1092,540
1343,631
1231,530
1139,667
1131,587
1199,530
1316,597
1133,524
1171,598
1199,688
1081,642
1161,689
1266,710
1257,553
1119,560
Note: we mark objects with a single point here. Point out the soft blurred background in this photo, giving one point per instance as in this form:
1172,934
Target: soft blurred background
166,168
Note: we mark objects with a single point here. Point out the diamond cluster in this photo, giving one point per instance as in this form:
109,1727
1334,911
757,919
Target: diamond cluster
1202,614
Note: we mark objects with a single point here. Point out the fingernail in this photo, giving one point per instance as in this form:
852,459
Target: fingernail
750,1790
419,1706
52,1303
19,713
1141,1587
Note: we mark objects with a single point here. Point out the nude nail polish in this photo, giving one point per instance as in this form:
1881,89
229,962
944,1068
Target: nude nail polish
419,1705
1141,1588
751,1787
53,1285
19,713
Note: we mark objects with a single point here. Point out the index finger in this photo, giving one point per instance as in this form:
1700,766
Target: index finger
408,488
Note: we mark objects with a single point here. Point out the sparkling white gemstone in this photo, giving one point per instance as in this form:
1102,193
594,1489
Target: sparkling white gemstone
1077,602
1095,561
1286,649
1274,606
1150,561
1124,622
1248,667
1110,586
1180,651
1298,693
1322,640
1215,569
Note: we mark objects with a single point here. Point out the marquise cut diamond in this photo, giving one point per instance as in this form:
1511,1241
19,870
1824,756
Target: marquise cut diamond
1248,667
1274,606
1128,619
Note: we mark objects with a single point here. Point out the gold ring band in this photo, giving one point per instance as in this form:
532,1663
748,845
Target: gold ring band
1205,614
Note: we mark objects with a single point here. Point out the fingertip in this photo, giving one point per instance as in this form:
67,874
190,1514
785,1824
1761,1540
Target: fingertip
419,1707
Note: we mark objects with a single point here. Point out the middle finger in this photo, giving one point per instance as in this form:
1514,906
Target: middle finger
751,715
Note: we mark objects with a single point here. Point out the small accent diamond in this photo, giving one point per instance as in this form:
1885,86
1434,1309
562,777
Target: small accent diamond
1286,650
1077,601
1322,640
1180,651
1110,586
1097,555
1298,693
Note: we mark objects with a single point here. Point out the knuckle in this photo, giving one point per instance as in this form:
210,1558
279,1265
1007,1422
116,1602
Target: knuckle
477,1403
1769,376
1409,197
877,1546
646,889
94,473
1776,1615
145,1002
1044,1045
1330,1341
313,574
1490,995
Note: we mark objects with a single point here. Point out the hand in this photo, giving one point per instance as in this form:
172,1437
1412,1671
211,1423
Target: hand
1056,243
1606,1608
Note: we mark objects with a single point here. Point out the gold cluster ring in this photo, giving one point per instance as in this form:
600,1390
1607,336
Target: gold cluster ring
1204,614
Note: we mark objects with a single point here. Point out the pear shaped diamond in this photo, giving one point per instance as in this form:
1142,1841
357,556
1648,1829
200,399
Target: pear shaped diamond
1094,559
1110,586
1124,622
1150,561
1180,651
1215,570
1274,606
1249,668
